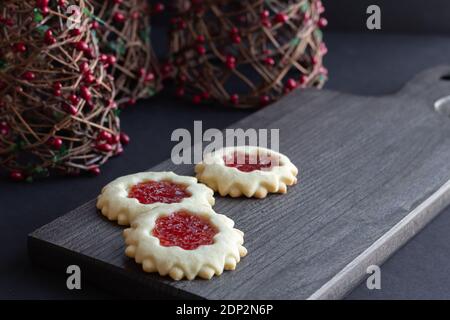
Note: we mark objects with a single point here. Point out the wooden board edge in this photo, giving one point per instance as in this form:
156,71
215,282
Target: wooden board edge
56,258
354,272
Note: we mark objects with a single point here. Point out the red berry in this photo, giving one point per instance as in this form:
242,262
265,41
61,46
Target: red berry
131,102
74,99
201,50
115,139
85,93
231,59
119,17
95,170
323,48
135,15
149,77
57,85
118,151
57,93
42,3
158,7
265,14
4,131
306,17
29,76
89,78
75,32
104,147
197,99
50,41
236,39
103,58
6,21
200,38
4,128
230,62
95,25
281,18
55,143
234,99
303,79
166,69
264,100
124,138
142,73
104,135
111,59
112,104
72,110
322,22
84,67
81,46
20,47
269,61
49,38
291,83
182,78
267,23
320,8
89,53
181,24
17,175
234,30
45,10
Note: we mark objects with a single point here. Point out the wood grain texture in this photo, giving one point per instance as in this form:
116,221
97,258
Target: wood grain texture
367,165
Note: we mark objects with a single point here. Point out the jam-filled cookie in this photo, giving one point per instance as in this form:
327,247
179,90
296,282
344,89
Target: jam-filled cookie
248,171
127,197
184,241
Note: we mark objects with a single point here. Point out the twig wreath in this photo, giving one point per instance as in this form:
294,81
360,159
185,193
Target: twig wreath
247,53
57,111
123,29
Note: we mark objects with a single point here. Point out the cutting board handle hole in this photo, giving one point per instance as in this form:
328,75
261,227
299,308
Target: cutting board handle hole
446,77
442,106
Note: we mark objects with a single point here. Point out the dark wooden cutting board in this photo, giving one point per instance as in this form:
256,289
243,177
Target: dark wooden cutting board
373,172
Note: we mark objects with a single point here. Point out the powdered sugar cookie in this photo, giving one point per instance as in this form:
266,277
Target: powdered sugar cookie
127,197
249,171
184,241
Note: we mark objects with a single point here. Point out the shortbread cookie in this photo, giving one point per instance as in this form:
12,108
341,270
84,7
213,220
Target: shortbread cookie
184,242
127,197
249,171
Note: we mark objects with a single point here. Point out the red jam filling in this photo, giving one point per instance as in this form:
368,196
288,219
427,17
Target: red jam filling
184,230
247,163
158,191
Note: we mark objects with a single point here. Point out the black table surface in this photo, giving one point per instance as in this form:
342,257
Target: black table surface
362,63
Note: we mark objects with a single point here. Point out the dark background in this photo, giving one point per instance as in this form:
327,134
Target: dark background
415,35
398,16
